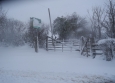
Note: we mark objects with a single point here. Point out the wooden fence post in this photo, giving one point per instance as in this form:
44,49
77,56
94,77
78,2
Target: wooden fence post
92,51
90,46
62,45
81,43
36,42
71,45
46,43
87,47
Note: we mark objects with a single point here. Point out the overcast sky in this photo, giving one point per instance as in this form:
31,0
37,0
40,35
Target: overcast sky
23,10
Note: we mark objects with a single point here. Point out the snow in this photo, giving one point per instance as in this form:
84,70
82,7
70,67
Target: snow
79,29
23,65
103,41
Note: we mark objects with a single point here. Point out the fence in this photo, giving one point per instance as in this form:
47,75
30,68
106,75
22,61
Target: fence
90,47
62,45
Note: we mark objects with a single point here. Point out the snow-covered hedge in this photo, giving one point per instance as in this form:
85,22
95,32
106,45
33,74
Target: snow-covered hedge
107,46
106,41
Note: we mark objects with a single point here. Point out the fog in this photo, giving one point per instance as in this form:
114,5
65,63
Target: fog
23,10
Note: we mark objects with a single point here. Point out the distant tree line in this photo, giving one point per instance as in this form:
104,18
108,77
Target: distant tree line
11,31
32,33
15,32
72,26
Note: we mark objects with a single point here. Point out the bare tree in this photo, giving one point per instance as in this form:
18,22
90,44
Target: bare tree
97,19
71,26
30,35
11,31
2,22
109,24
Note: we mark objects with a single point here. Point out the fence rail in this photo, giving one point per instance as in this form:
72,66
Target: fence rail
62,45
89,47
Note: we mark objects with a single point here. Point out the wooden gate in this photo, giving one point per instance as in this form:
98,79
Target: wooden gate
62,45
89,47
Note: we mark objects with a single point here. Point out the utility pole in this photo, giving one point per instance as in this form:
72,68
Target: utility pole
50,22
51,25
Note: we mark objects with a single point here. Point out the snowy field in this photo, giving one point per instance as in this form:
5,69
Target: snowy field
23,65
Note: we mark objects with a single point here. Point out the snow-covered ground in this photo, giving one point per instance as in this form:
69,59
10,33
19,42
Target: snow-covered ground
23,65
